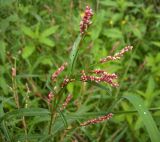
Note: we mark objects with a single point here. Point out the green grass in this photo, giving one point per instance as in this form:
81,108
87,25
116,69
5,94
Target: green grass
37,37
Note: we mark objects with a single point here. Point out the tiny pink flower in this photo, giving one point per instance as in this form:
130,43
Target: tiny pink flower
50,96
84,24
56,73
13,72
97,120
117,56
66,81
103,77
69,97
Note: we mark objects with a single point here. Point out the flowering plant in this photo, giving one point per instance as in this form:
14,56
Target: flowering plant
101,75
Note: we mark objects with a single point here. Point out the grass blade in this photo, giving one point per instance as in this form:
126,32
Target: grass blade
74,52
145,116
63,118
3,127
101,87
22,137
25,112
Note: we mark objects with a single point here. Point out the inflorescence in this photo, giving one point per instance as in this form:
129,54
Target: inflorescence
13,72
86,20
117,56
97,75
66,81
50,96
56,73
103,77
69,97
97,120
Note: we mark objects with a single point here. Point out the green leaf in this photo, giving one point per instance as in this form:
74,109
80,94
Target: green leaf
3,126
25,112
113,33
27,51
63,118
109,3
3,51
137,33
49,31
101,87
156,43
6,2
145,116
27,31
4,85
150,86
74,52
47,41
47,61
99,19
30,137
13,18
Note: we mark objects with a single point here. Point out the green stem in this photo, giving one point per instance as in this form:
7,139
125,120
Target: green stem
50,124
16,98
54,108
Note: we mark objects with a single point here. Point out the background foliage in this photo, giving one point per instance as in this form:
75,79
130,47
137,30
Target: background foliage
37,37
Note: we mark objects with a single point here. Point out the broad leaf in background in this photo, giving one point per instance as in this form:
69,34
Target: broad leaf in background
49,31
113,33
27,51
47,41
27,31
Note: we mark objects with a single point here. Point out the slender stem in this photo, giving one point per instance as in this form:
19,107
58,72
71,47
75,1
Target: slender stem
54,108
16,98
73,57
25,126
50,124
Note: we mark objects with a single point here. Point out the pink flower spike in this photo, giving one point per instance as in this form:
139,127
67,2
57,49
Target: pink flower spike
69,97
117,56
86,20
104,77
50,96
66,81
13,72
97,120
56,73
98,71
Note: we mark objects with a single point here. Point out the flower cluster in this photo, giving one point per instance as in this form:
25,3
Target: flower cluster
66,81
117,55
84,24
50,96
55,74
103,77
97,120
13,72
69,97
